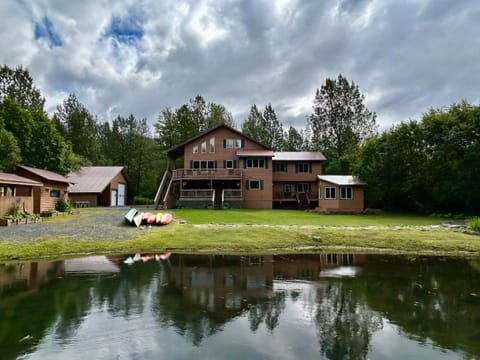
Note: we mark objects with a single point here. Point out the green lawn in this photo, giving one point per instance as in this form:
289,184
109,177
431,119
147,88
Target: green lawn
103,231
296,217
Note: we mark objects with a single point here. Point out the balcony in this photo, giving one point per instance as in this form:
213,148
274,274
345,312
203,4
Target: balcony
202,174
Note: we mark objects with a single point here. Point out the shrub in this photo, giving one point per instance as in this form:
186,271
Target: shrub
141,200
179,204
474,224
63,205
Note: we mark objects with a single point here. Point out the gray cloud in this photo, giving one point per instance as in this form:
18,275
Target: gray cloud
406,56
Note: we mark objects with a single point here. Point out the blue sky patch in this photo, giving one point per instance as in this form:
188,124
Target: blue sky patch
45,29
127,30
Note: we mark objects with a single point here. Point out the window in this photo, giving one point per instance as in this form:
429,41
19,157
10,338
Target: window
280,167
195,149
330,192
303,167
287,188
203,164
254,184
6,190
302,187
204,147
229,164
255,163
212,145
55,193
346,193
233,143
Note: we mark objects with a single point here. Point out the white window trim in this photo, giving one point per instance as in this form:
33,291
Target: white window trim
204,147
227,164
212,145
325,193
195,149
351,193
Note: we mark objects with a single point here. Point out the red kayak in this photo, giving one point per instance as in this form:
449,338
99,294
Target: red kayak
152,219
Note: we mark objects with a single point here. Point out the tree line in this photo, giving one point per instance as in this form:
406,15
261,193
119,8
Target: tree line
430,165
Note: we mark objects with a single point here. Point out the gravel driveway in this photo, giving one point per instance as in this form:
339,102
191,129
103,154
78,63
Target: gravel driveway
95,223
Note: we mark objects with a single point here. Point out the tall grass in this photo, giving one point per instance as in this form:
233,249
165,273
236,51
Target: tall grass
474,224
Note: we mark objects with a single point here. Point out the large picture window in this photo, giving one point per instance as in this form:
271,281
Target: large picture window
346,193
255,163
330,193
203,164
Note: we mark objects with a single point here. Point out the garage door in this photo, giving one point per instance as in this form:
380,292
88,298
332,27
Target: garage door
121,194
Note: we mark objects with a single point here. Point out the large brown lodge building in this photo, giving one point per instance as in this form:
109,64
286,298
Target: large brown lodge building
224,168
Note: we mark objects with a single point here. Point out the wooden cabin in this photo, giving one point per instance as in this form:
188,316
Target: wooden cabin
17,191
340,194
54,187
98,186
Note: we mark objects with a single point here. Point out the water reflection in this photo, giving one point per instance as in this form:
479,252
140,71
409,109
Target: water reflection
334,306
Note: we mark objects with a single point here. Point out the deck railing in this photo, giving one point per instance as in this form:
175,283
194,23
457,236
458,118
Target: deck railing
208,194
197,194
206,173
231,194
292,195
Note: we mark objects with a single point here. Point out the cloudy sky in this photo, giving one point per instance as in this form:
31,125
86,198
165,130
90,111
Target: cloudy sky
141,56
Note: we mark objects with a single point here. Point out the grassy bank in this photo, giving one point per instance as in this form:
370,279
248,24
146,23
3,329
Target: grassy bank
240,231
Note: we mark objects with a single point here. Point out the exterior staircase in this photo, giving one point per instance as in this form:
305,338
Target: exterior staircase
163,190
303,201
218,199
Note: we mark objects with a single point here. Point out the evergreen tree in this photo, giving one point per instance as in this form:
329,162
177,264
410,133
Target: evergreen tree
17,84
340,121
79,127
265,128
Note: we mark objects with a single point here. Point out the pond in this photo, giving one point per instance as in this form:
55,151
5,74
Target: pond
177,306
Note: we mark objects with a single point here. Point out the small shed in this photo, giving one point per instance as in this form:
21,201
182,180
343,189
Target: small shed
340,194
16,191
54,187
98,186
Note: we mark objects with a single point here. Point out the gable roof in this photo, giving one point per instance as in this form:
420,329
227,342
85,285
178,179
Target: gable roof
92,179
298,156
45,174
177,151
14,179
342,180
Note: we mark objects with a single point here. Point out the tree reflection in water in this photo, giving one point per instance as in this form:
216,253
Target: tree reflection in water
345,323
428,299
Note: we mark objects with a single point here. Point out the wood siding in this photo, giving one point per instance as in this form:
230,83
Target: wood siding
8,202
91,198
103,199
42,201
354,205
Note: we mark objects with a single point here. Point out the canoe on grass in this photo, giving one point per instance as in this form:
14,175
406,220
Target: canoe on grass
137,220
166,219
130,215
159,217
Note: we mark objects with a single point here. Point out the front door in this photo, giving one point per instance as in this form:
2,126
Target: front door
114,198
